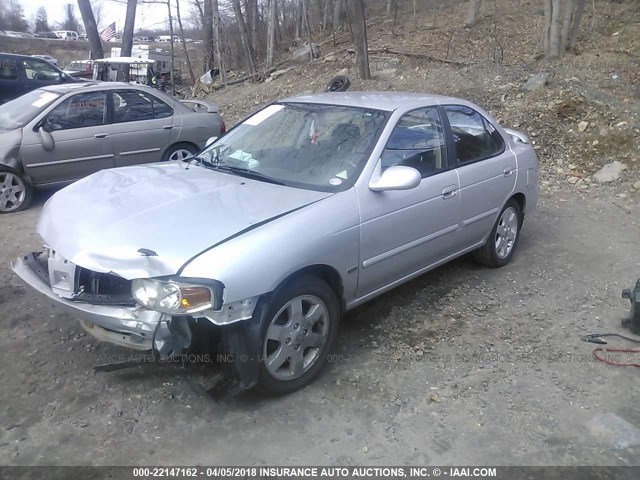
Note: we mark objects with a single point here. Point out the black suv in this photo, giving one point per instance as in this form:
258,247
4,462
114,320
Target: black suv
20,74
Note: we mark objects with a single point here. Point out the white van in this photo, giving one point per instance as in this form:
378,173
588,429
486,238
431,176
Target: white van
66,35
167,38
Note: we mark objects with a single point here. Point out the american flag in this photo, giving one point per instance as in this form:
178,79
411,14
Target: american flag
109,32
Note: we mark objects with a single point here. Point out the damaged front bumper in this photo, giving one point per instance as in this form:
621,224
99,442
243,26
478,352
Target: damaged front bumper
137,328
129,326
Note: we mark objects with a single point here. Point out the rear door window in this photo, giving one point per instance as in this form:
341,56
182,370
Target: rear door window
133,105
8,69
36,69
474,137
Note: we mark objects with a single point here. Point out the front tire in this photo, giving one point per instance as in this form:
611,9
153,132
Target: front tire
300,331
179,151
503,239
16,192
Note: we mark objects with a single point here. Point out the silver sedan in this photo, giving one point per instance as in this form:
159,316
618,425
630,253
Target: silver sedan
307,209
60,133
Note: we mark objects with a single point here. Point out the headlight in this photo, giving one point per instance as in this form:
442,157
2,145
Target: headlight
171,297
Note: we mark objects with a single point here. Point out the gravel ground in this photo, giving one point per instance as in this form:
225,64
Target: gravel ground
463,365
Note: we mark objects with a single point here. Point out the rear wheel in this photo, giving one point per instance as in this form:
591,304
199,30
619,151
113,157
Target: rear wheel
180,151
16,193
300,331
502,241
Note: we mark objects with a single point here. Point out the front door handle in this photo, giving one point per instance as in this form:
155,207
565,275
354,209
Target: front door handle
448,192
100,135
508,171
168,127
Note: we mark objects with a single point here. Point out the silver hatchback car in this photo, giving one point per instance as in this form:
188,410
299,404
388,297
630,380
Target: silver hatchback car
306,209
60,133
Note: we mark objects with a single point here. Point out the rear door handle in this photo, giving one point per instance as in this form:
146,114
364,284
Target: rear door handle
508,171
448,192
168,127
100,135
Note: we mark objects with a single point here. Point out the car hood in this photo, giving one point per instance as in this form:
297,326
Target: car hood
102,221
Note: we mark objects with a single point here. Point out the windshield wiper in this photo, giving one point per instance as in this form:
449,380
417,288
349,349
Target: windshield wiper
242,171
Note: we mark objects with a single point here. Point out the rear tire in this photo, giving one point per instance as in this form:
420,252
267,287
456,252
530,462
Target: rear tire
16,193
300,330
503,239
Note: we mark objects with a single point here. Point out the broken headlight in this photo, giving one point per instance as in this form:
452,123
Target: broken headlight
172,297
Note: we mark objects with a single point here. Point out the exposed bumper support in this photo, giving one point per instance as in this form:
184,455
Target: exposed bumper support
130,327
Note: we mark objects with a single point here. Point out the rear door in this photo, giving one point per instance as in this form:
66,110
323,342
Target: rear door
82,144
486,168
142,127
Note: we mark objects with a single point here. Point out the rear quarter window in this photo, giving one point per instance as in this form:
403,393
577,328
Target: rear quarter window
8,69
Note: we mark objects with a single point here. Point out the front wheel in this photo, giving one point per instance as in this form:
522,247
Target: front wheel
299,333
502,241
15,192
180,151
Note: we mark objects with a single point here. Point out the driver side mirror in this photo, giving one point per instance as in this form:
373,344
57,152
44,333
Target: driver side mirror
210,141
47,140
396,178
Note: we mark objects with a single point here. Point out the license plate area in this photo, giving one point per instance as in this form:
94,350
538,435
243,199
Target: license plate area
62,275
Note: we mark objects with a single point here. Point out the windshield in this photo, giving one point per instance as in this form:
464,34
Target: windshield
17,113
306,145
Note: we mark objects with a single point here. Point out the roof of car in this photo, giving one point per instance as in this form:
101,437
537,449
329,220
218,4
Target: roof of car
379,100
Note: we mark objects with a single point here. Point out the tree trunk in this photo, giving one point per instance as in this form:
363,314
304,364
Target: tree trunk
91,28
575,27
554,31
305,14
207,25
271,32
565,24
472,11
129,25
244,39
359,31
337,13
252,20
173,57
222,67
184,44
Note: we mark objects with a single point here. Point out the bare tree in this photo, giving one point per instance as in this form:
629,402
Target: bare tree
359,30
91,28
244,38
173,56
562,20
129,25
338,8
473,8
271,32
184,44
218,39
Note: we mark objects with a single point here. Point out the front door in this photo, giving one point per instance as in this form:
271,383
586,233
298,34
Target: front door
82,144
403,232
142,127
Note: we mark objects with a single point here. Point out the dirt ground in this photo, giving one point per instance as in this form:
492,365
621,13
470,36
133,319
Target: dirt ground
465,365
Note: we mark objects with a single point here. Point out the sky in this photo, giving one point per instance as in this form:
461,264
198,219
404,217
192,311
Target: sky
147,16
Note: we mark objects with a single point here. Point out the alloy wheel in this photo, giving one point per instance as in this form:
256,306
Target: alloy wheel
506,232
12,191
296,337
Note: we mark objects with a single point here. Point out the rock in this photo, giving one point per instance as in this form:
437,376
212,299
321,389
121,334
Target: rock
573,180
582,126
302,52
387,73
332,57
434,397
636,185
610,172
614,431
537,81
365,449
344,71
604,131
